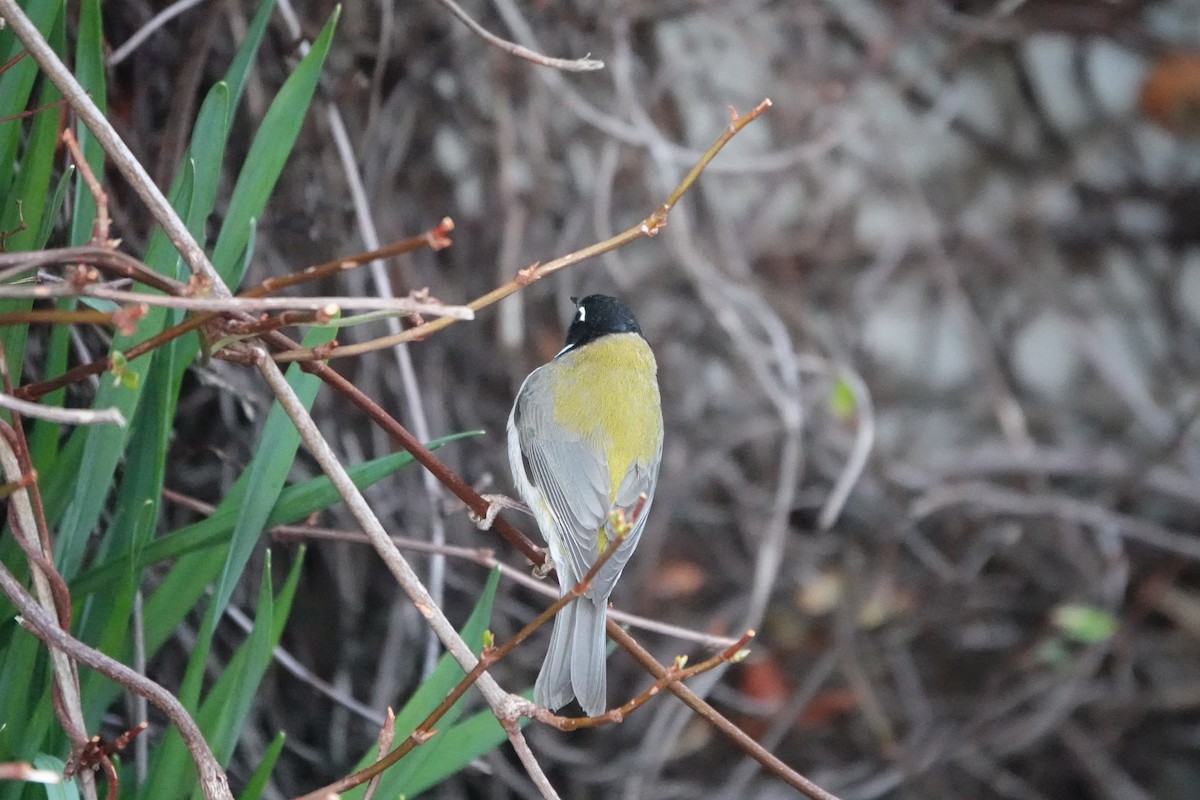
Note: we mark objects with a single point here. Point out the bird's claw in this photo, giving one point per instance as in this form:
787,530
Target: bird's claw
495,502
540,571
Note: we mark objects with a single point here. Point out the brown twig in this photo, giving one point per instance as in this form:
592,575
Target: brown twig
427,459
32,112
12,62
484,557
34,391
650,226
436,238
120,154
58,316
100,228
35,620
489,656
677,672
387,732
27,520
769,760
512,48
96,754
108,261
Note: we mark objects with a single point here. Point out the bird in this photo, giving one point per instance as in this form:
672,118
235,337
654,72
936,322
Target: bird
585,439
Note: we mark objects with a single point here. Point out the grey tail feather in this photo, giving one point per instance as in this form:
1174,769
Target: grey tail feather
553,687
589,673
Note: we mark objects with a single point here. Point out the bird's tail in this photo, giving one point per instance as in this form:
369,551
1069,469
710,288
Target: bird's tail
574,665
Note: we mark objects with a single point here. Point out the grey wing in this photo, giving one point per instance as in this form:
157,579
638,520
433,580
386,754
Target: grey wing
569,474
639,480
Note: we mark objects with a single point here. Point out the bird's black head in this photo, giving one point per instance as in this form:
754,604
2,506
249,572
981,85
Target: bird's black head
598,315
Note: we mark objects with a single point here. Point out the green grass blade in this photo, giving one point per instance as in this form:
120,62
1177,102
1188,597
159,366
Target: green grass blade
16,85
452,750
224,710
202,168
89,71
135,517
67,790
445,677
262,773
295,503
268,152
55,206
101,447
240,67
27,199
268,472
24,666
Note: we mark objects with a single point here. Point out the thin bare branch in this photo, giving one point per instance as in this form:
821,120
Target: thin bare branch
512,48
146,31
648,227
989,499
21,771
329,305
63,416
35,620
485,557
100,228
113,145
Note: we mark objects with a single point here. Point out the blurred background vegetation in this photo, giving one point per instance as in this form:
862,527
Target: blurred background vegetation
928,337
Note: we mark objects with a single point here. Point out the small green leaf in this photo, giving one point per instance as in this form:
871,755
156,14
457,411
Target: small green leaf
841,400
1084,624
123,374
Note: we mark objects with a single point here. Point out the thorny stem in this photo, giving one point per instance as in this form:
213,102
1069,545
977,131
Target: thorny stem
646,228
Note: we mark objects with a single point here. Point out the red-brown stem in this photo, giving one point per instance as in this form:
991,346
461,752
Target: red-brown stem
488,657
101,226
673,674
